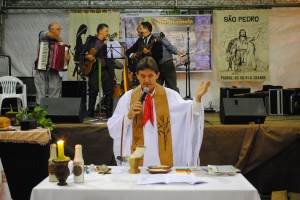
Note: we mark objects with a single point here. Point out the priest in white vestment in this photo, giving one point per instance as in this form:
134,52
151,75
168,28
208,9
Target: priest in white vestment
170,127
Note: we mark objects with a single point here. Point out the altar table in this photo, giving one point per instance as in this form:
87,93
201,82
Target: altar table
122,185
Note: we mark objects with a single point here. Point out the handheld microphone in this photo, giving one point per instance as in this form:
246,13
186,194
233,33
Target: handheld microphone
188,27
144,94
123,158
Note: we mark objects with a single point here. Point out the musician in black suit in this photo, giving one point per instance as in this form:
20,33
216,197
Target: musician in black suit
107,70
132,63
141,47
48,81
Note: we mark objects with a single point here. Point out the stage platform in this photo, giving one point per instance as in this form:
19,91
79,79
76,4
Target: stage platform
268,154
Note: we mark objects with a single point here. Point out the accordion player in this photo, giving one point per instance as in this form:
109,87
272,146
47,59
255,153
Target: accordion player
52,58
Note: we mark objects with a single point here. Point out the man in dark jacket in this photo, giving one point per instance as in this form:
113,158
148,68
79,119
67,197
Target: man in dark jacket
105,66
147,45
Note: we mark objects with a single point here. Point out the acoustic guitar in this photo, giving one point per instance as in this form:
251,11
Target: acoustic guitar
139,54
87,65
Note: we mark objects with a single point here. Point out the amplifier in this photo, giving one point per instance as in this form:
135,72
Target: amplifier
280,101
295,104
297,90
268,87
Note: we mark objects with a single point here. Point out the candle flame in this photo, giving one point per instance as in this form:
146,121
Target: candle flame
60,142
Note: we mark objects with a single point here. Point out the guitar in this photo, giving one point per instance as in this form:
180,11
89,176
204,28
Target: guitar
86,66
139,53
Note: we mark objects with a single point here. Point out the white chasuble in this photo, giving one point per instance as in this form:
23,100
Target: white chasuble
187,124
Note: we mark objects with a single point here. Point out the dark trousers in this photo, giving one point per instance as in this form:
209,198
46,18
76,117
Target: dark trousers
107,80
168,75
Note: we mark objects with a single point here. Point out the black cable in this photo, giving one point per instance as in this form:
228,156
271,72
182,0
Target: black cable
206,121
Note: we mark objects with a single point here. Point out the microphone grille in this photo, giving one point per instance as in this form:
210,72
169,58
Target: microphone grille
146,89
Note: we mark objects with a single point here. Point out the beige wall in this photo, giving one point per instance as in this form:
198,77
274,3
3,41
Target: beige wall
21,30
284,50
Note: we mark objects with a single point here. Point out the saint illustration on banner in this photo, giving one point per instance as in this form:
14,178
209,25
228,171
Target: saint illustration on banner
243,45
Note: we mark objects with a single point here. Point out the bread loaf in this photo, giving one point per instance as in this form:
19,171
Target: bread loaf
4,122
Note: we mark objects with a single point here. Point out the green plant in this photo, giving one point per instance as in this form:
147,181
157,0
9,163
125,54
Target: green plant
39,114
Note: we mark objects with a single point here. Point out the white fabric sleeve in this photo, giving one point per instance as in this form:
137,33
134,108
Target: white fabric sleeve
127,121
130,56
197,108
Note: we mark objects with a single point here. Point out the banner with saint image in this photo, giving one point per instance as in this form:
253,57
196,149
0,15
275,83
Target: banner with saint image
242,41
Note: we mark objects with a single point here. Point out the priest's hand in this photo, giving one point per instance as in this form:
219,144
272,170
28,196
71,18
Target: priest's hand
135,109
202,89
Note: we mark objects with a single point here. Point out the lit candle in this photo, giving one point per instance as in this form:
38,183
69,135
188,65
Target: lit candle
60,146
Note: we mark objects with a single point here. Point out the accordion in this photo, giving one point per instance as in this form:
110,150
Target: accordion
53,58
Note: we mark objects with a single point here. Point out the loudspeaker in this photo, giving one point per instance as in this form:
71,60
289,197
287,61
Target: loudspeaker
226,92
242,111
75,89
63,109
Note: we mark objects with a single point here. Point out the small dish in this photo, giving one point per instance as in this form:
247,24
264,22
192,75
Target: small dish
160,167
159,171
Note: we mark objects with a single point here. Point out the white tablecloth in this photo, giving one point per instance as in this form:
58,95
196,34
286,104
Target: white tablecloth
117,186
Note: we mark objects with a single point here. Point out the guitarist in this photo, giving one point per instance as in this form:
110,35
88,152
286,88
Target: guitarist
141,47
132,63
107,70
166,65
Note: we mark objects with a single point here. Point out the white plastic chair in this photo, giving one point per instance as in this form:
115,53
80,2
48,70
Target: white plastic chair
9,84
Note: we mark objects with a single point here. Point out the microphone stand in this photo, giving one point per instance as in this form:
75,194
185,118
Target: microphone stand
187,68
77,70
76,65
